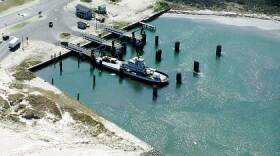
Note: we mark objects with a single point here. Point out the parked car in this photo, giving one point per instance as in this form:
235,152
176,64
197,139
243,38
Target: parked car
6,37
50,24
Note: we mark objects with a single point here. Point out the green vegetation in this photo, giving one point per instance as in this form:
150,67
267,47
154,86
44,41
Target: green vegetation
259,6
96,127
7,4
22,73
120,24
87,1
19,25
41,104
160,5
115,1
15,99
4,105
32,114
65,35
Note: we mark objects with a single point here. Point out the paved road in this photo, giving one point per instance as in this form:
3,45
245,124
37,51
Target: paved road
39,30
42,5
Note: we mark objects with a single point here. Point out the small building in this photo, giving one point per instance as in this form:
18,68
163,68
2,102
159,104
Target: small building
101,9
84,12
82,25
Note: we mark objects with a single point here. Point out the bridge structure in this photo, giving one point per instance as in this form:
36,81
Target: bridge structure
80,51
104,44
148,26
138,41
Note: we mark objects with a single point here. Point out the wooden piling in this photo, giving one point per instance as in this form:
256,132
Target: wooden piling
158,55
60,67
144,38
78,62
124,47
196,67
218,51
179,78
155,91
156,40
177,46
52,81
93,81
78,97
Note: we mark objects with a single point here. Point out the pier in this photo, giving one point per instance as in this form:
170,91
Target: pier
126,36
107,45
148,26
80,51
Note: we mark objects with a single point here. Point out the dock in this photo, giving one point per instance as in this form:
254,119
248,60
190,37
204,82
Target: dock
148,26
130,37
80,51
104,44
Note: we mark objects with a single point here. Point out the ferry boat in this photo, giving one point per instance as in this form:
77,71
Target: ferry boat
135,68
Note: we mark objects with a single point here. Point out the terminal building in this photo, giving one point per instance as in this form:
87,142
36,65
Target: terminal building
84,12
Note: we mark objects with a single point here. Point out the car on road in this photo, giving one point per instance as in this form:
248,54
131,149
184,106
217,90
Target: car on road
14,43
50,24
6,37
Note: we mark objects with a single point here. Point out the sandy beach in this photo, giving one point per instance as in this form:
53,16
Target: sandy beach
236,21
66,137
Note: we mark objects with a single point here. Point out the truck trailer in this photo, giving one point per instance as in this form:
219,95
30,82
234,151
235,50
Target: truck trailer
14,43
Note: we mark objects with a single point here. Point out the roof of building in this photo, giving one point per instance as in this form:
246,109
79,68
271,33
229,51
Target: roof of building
82,7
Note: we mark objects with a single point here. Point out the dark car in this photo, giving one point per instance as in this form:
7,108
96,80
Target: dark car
6,37
50,24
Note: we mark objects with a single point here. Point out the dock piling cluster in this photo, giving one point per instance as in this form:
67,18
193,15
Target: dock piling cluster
158,55
179,78
177,46
156,40
155,91
218,51
60,67
196,67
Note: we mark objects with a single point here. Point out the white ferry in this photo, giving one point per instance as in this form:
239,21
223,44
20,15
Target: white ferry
135,68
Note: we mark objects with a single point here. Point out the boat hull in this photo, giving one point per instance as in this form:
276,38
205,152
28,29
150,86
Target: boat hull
145,79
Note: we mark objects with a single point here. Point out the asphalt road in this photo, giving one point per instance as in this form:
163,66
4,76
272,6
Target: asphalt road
52,11
42,5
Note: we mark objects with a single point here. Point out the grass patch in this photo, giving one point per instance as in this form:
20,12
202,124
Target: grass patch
15,99
87,120
32,114
4,105
86,1
43,104
17,85
65,35
7,4
19,25
120,24
161,5
22,73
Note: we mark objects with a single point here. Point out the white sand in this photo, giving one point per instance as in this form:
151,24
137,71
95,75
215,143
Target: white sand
47,138
62,137
125,11
230,18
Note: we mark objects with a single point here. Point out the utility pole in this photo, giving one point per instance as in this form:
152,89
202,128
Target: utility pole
22,43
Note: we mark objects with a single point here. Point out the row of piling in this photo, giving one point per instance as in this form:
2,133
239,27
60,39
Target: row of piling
196,68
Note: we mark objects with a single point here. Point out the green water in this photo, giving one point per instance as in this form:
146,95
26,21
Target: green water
232,108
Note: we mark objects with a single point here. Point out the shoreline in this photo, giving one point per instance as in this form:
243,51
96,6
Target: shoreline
228,18
226,14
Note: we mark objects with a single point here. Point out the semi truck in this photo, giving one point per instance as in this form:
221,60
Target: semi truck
14,42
